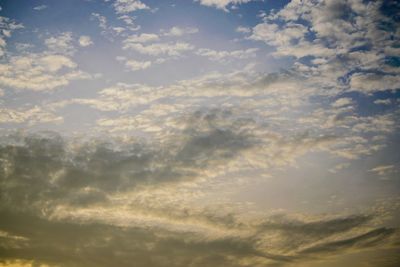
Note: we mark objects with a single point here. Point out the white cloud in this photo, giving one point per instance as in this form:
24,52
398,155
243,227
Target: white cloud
170,49
178,31
101,19
85,40
54,63
111,31
130,22
118,30
39,72
30,116
374,82
243,29
273,34
383,170
344,101
41,7
222,4
134,65
127,6
145,44
383,102
23,46
61,43
142,38
337,41
224,56
7,26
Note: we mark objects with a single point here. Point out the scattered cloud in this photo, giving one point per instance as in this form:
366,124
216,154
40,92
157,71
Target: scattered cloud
344,101
134,65
343,45
222,4
192,169
225,56
382,101
178,31
62,43
142,38
101,19
383,170
41,7
85,40
374,82
127,6
242,29
7,26
30,116
155,49
39,72
130,22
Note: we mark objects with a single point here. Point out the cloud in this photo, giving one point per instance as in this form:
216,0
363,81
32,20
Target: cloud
146,43
87,198
61,44
39,72
112,31
134,65
127,6
41,7
154,179
242,29
142,38
82,174
120,97
155,49
101,19
374,82
7,26
383,170
178,31
68,242
341,45
23,46
222,4
151,111
274,35
224,56
31,116
107,30
382,101
85,41
340,102
130,22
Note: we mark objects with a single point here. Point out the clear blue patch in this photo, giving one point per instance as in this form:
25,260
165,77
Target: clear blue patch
393,61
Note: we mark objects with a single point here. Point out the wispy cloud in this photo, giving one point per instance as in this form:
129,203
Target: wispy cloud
41,7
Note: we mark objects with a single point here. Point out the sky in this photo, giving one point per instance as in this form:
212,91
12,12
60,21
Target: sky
192,133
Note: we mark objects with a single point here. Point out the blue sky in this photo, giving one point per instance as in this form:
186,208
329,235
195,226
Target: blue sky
199,133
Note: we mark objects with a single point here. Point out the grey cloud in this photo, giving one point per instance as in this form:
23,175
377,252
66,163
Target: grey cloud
45,167
318,229
69,243
369,239
42,171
